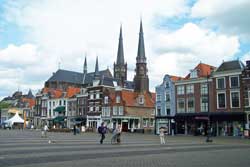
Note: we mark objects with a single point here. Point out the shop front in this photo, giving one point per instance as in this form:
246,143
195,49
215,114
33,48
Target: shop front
222,123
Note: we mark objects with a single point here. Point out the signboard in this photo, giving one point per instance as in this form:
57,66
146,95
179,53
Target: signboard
201,118
246,133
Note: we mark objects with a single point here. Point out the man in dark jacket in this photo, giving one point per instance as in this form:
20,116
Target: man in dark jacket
102,130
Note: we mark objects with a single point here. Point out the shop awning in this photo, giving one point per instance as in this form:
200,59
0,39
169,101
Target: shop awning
59,119
60,109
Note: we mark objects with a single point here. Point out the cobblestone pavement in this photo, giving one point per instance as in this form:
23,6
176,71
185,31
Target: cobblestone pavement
28,149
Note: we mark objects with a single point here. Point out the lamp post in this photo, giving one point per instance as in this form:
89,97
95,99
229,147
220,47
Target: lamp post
208,114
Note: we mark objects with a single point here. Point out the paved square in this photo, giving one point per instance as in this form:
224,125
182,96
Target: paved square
28,149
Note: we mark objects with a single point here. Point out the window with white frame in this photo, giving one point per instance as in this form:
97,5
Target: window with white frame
91,96
106,100
190,104
204,104
194,73
180,90
221,100
235,99
246,98
145,122
97,95
114,110
97,109
167,97
106,111
220,83
118,99
180,105
91,108
158,97
190,89
141,100
120,110
234,81
204,89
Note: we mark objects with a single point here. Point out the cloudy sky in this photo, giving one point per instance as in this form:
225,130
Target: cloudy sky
36,35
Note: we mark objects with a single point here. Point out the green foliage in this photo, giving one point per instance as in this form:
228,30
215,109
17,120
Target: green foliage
4,105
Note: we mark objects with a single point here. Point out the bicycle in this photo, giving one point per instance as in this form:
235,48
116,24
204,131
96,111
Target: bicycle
116,138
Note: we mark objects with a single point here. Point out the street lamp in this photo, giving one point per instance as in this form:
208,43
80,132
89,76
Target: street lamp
208,114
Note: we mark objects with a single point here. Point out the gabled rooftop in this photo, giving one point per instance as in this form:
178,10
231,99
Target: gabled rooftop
202,70
230,65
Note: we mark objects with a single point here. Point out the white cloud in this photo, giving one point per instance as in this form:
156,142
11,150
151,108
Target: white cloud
231,16
183,49
23,66
63,30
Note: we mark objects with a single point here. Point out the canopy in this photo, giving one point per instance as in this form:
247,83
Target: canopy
60,109
15,119
58,119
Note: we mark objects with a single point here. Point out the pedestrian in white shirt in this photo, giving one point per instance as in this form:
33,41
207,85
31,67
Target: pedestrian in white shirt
162,135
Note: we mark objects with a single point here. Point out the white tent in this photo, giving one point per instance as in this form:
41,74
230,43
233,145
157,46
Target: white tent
15,119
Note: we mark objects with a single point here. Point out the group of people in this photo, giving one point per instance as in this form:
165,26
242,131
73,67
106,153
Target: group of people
102,130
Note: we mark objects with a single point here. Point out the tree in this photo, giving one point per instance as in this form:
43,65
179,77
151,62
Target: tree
4,105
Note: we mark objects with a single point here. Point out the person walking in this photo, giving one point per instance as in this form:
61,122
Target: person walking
74,129
45,130
162,135
102,130
117,135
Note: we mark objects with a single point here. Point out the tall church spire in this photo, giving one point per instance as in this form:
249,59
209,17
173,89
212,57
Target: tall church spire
120,53
85,69
96,74
141,79
141,58
120,67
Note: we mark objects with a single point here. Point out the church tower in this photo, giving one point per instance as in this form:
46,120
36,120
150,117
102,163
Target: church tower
120,67
141,80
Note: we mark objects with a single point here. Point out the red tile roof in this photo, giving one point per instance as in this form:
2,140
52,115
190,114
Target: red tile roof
71,91
203,70
31,102
58,93
176,78
130,98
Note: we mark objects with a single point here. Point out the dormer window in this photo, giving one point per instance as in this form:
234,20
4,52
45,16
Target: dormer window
141,100
194,73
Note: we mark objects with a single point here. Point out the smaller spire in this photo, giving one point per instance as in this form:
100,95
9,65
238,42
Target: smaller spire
85,69
96,68
120,52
